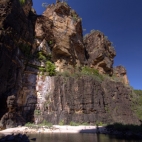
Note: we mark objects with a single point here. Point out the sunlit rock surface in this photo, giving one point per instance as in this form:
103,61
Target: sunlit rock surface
100,52
61,27
121,73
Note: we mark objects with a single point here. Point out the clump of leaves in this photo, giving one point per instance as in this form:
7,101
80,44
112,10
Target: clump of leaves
22,2
61,122
37,112
138,100
74,123
29,124
99,123
42,56
45,123
50,68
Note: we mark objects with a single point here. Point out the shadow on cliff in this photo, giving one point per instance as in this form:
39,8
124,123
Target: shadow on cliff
119,131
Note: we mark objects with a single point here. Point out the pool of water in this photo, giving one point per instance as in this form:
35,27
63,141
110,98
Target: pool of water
78,138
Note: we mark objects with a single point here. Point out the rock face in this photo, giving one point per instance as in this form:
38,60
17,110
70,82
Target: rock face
62,30
100,52
11,118
121,73
16,39
83,99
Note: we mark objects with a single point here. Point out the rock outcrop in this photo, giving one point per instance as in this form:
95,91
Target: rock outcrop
62,31
11,118
100,52
121,73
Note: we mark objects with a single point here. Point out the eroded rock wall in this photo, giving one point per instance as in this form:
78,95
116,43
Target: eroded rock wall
84,99
121,73
16,32
62,31
16,39
100,52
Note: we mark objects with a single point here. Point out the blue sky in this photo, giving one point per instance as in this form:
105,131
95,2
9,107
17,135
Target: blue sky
121,21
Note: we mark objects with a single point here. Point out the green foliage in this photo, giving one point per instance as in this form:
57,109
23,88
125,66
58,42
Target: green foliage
74,123
42,56
50,68
75,17
45,123
106,108
29,124
41,69
64,74
115,78
37,112
76,75
90,71
22,2
99,123
138,92
84,124
61,122
138,105
77,124
50,42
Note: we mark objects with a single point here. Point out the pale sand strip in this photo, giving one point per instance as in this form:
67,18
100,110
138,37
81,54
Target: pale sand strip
54,129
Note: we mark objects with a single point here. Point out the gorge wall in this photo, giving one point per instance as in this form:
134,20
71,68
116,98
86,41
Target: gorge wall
28,41
83,99
16,39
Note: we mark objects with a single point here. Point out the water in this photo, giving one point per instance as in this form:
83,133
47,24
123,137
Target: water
78,138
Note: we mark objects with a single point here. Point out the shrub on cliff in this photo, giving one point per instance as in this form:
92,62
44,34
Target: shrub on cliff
138,107
50,68
41,56
22,2
91,71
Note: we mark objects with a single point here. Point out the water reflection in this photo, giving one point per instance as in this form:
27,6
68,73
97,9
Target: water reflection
77,138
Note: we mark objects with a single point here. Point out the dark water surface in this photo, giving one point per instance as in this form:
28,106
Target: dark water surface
78,138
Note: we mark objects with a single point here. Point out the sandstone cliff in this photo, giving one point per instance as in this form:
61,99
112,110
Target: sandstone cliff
83,99
16,39
121,73
60,27
100,52
28,41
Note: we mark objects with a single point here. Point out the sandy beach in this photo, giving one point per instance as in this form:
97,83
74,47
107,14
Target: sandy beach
54,129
